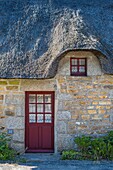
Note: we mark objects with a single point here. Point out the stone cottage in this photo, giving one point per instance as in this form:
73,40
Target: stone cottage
56,72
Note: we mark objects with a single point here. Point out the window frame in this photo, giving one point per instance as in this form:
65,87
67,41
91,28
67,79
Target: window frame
78,73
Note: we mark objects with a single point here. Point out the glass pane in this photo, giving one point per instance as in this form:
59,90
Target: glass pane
39,108
32,108
32,118
47,107
74,69
81,61
39,98
74,61
82,69
40,118
48,98
48,118
32,98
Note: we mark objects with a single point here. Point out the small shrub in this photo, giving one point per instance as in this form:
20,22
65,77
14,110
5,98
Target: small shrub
83,143
109,137
96,148
71,154
6,153
92,148
22,160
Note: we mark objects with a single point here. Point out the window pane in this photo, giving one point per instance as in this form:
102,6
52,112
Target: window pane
74,69
39,98
48,118
40,118
81,61
82,69
39,108
32,108
32,98
47,107
74,61
48,98
32,118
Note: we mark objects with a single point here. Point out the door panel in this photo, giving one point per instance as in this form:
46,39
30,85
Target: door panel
33,142
46,134
39,121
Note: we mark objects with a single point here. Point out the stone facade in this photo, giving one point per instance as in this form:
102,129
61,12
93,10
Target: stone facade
83,105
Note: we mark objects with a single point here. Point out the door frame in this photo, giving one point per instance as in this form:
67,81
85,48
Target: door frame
26,111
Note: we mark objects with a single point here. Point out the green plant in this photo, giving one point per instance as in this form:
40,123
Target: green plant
109,142
92,148
70,154
22,160
6,153
96,148
83,143
109,137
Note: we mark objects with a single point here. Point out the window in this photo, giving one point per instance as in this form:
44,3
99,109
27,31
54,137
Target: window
40,107
78,66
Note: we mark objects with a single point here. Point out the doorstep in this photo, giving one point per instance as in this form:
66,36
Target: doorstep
40,157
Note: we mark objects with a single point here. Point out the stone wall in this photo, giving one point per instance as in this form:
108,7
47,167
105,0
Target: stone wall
12,110
83,105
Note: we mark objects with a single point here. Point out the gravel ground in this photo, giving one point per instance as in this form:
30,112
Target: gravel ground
53,162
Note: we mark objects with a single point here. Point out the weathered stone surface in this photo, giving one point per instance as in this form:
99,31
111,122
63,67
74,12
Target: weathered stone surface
61,127
82,127
1,101
19,147
105,102
60,105
75,117
71,127
64,115
103,97
20,110
1,112
3,82
14,82
1,88
15,123
2,128
1,97
85,117
18,135
110,94
100,111
65,141
90,107
96,117
92,111
65,96
15,99
97,128
108,87
9,113
100,107
12,88
2,116
106,116
95,103
37,85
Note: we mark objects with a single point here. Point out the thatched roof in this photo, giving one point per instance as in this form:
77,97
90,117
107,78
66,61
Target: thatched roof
35,34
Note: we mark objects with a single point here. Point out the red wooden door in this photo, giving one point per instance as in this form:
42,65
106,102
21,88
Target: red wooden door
39,122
